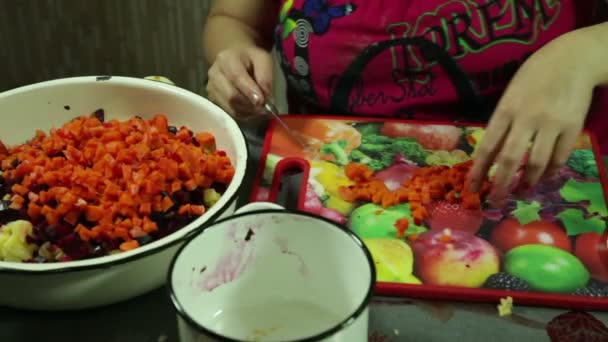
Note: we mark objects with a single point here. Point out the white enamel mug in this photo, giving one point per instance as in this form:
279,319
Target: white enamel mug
266,274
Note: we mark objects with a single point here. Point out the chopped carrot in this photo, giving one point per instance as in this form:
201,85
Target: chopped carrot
426,194
16,202
414,205
149,225
426,185
161,123
347,193
471,200
94,213
197,210
19,189
389,199
413,237
129,245
419,214
415,196
3,150
401,225
358,172
167,204
145,209
451,196
34,210
184,209
206,140
72,216
190,185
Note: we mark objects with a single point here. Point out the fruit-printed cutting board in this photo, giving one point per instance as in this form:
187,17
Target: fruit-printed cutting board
545,248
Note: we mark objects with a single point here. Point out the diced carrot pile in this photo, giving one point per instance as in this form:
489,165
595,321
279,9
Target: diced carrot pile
106,179
427,184
401,225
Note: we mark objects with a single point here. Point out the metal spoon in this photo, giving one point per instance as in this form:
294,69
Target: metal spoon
272,110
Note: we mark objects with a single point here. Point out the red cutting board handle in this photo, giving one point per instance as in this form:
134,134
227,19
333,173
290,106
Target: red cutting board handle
284,167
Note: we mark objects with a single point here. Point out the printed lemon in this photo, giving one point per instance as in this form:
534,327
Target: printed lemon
411,279
394,260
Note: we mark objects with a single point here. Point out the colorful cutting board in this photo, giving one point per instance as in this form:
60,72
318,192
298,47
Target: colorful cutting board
545,248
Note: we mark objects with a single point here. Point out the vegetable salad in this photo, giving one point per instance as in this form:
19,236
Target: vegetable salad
93,188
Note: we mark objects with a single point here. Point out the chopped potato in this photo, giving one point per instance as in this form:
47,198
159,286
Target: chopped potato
505,308
210,197
13,241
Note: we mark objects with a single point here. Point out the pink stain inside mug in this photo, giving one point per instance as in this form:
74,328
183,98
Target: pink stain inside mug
228,268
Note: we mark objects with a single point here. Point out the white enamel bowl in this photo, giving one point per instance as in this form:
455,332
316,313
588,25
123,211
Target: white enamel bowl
109,279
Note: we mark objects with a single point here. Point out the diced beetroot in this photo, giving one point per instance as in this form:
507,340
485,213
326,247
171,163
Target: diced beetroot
74,247
181,197
100,115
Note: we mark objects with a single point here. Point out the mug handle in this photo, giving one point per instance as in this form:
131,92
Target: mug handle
258,206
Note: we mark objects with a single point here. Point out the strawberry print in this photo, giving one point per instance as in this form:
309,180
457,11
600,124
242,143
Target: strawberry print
443,215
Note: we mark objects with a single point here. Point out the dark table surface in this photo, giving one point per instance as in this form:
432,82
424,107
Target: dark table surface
150,317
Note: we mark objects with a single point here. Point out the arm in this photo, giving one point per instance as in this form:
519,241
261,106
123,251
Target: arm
545,103
594,45
233,23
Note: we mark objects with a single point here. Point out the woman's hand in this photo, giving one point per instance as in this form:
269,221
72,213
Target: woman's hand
240,79
545,106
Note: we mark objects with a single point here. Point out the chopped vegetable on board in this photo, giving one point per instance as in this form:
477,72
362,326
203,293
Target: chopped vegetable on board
505,308
427,184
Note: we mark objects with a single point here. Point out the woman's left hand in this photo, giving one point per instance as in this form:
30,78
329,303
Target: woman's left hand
545,105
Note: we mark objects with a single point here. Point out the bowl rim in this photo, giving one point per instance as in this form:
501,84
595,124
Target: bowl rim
345,323
108,261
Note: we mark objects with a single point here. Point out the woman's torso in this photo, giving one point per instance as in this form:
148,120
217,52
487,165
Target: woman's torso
319,40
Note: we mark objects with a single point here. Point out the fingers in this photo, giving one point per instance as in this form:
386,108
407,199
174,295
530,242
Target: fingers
236,73
494,136
223,93
540,155
563,149
263,70
509,160
233,81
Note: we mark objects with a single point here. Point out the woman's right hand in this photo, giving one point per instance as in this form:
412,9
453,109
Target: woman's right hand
240,79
